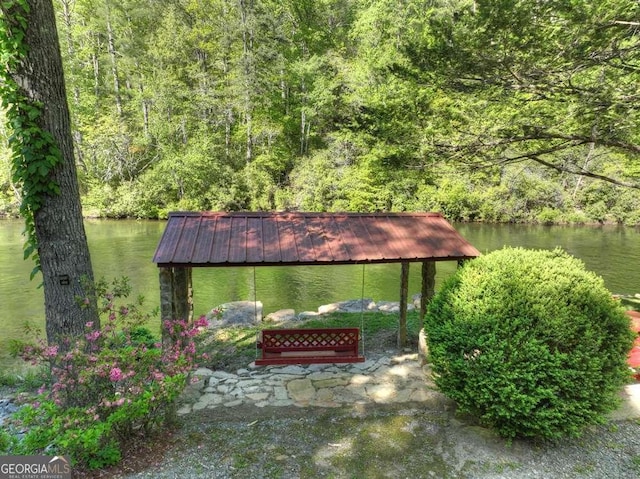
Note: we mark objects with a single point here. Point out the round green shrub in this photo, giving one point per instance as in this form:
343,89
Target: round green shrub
529,342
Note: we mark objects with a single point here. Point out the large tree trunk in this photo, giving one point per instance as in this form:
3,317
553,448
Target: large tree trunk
62,243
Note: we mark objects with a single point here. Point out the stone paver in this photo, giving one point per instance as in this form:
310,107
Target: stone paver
387,379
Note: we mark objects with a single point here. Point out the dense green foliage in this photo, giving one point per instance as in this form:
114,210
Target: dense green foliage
529,342
489,110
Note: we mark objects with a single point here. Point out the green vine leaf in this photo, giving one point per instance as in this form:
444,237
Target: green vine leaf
34,152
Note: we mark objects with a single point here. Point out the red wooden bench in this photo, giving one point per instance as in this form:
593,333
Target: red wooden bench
309,346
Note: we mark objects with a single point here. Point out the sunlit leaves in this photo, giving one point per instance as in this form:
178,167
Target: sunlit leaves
555,75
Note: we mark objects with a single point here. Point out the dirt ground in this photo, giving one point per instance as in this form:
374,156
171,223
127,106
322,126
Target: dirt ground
370,441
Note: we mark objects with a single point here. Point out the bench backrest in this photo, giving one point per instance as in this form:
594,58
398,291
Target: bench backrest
333,339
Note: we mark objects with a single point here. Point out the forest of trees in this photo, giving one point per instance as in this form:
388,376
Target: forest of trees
490,110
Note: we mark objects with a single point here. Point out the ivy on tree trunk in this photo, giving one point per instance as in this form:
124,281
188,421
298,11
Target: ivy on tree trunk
33,92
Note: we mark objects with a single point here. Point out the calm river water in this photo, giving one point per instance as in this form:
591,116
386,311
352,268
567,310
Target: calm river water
125,248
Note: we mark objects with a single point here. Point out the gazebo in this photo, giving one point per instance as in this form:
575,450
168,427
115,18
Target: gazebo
222,239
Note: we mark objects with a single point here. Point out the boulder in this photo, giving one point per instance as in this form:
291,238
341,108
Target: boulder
238,313
415,299
7,408
328,308
423,349
388,306
281,316
393,306
349,306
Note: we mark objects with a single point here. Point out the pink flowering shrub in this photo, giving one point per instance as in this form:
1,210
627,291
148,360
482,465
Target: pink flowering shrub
112,384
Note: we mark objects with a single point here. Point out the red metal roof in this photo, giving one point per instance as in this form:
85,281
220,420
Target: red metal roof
252,239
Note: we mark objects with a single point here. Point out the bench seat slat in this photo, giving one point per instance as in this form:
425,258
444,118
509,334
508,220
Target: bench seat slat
279,349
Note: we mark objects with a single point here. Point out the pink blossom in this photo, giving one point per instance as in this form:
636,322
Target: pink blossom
115,375
191,348
93,336
89,324
51,351
201,322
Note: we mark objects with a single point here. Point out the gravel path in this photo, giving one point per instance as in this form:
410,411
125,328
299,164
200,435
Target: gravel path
398,440
373,440
379,442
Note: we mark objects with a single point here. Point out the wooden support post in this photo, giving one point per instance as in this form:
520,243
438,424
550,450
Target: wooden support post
190,292
176,297
166,300
404,292
428,286
183,294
